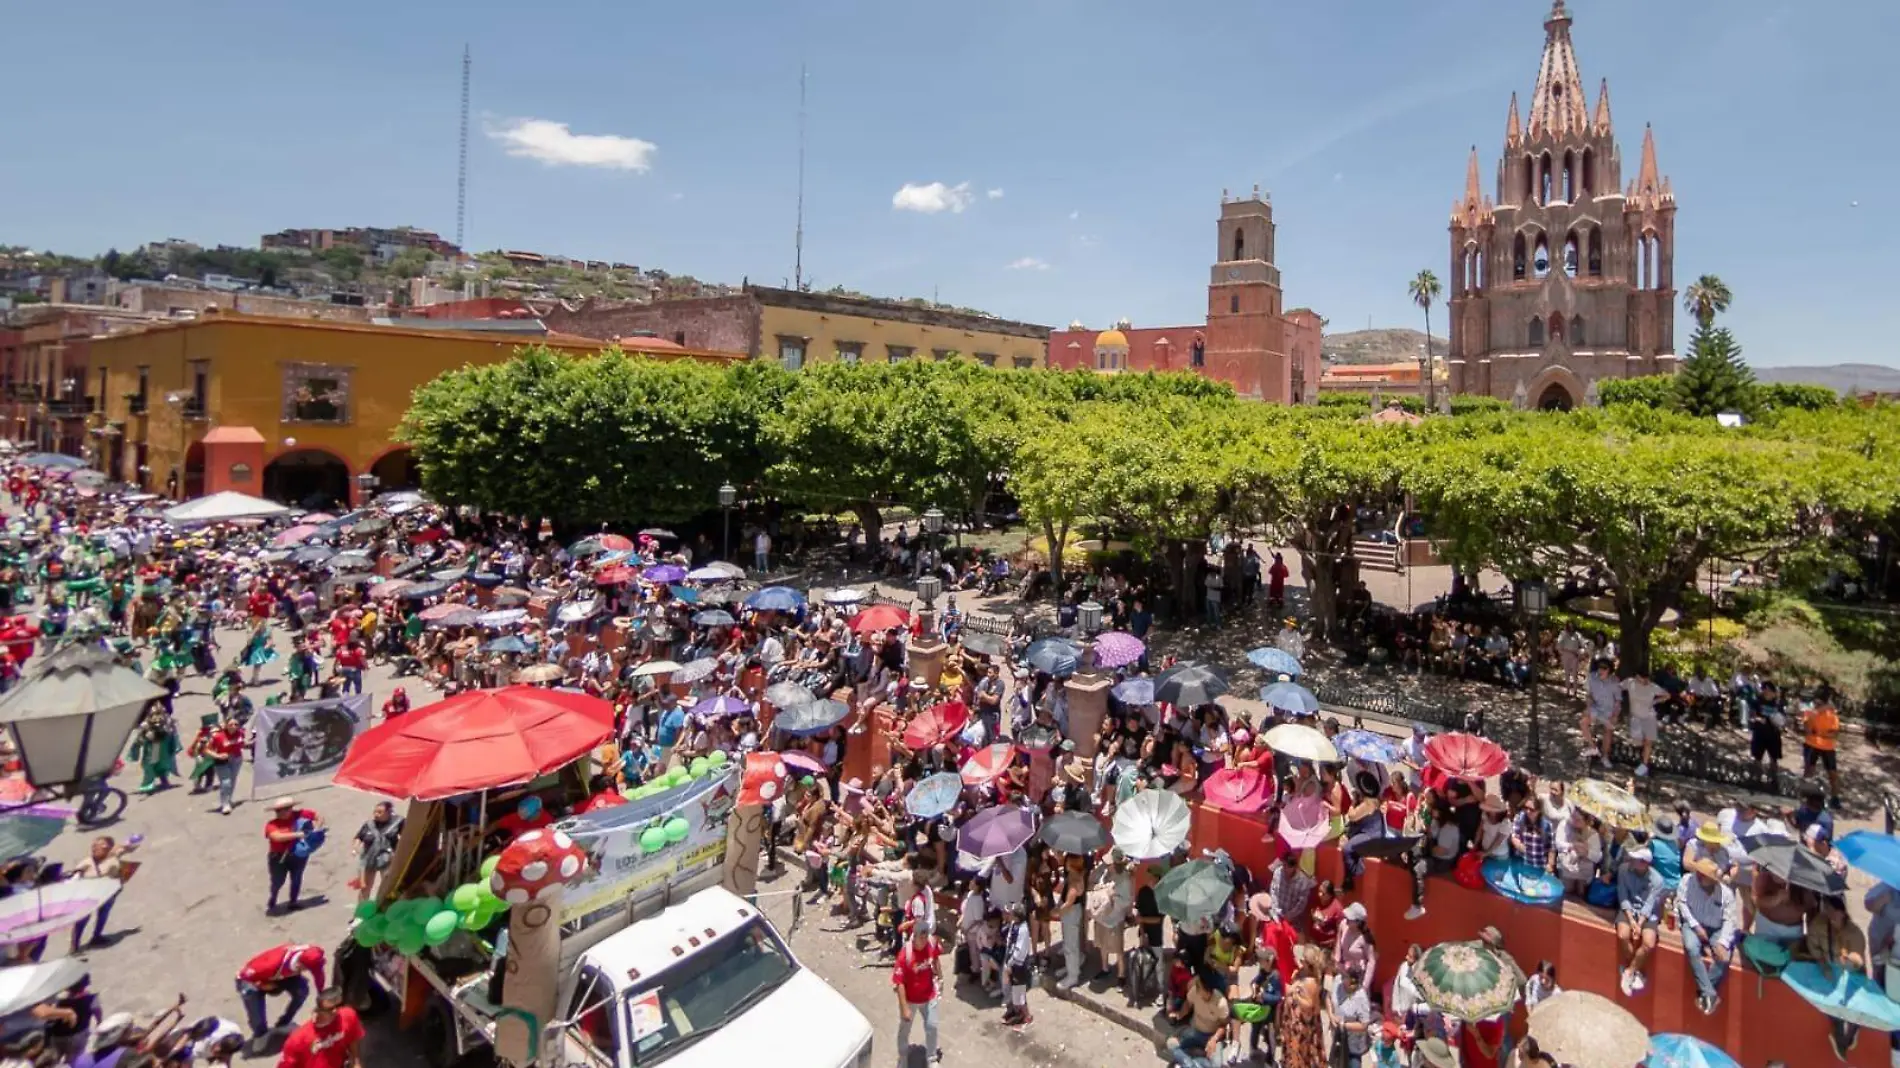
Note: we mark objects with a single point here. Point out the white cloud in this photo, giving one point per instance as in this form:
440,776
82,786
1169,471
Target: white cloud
1074,215
557,146
933,198
1028,263
995,194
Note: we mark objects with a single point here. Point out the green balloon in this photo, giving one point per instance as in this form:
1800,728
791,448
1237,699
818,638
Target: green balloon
652,840
411,944
676,830
475,921
466,898
439,927
365,910
677,777
376,929
699,767
426,907
717,758
488,866
363,938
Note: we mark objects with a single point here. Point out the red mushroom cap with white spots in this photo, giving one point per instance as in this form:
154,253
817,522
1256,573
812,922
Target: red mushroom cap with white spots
535,865
764,779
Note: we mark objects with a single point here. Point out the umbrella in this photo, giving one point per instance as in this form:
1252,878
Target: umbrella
1190,684
1116,649
1242,790
1305,822
431,588
390,588
1610,803
784,695
617,575
694,670
23,986
1794,863
1054,656
510,644
1583,1030
724,596
655,667
577,611
1290,697
811,717
29,914
804,762
406,566
373,525
1686,1051
846,597
1369,746
476,741
510,597
1874,853
663,573
1466,756
1274,661
988,763
684,594
935,725
1153,823
352,561
27,829
1194,891
444,610
601,543
319,517
659,534
1074,832
312,554
223,508
458,616
996,831
1469,981
716,571
54,460
1134,692
934,796
503,617
1037,737
713,617
1301,743
984,644
776,599
1523,883
719,707
540,673
294,536
1837,993
880,617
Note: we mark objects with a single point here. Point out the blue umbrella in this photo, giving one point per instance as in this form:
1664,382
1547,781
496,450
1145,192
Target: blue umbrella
1274,661
1874,853
935,795
685,594
1523,883
1135,692
663,573
776,599
714,617
811,717
719,707
1290,697
1686,1051
1055,656
510,644
1843,995
52,459
1369,746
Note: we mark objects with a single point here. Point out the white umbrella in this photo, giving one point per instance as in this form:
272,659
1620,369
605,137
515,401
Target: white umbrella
1301,743
38,912
26,985
655,667
503,617
1151,824
717,571
846,597
223,508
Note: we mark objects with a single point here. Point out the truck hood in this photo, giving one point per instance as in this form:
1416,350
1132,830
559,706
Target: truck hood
826,1029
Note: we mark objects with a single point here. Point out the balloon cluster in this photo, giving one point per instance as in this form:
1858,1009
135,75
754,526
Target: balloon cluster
711,764
412,923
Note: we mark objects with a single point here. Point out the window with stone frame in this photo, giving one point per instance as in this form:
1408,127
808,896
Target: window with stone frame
898,353
316,393
850,351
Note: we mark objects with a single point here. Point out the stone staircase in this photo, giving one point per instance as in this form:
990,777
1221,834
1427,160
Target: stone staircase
1376,555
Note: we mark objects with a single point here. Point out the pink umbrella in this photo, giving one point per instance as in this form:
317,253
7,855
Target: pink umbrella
319,517
804,762
988,763
1305,822
1116,649
439,611
1242,790
294,536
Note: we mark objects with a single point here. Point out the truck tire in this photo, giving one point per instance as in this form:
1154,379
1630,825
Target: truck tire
438,1034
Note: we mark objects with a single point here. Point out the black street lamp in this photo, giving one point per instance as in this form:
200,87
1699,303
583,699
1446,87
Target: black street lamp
1533,600
727,495
366,484
1088,616
932,523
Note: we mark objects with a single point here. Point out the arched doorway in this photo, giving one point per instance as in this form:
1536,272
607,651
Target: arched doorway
194,473
397,470
1555,398
308,478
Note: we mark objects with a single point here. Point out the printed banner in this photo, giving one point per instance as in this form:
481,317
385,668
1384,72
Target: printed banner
307,740
623,866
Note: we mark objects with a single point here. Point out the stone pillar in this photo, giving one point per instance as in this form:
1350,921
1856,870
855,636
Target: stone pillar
1088,706
926,660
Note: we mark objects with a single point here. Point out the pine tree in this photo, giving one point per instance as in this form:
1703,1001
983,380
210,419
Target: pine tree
1714,379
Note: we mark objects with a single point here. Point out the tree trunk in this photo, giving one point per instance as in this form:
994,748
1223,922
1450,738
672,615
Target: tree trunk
1636,620
1056,537
872,521
1321,573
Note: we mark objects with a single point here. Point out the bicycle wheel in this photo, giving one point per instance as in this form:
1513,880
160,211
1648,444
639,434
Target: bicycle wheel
103,807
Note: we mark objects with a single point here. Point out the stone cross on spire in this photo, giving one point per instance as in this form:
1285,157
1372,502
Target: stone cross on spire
1557,104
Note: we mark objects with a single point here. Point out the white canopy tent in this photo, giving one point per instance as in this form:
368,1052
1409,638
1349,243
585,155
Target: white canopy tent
223,508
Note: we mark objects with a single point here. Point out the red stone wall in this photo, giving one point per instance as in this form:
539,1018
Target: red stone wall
721,324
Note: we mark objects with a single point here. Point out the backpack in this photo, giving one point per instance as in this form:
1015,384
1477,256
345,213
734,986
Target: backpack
1144,977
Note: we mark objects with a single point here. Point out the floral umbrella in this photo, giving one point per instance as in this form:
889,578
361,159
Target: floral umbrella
1610,803
1686,1051
1369,746
1116,649
1466,756
1468,980
1274,661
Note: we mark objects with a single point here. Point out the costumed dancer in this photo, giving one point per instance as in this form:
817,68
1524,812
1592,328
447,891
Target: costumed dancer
258,651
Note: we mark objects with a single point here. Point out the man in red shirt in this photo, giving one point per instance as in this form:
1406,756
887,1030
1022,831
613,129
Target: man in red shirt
917,975
281,834
328,1039
350,661
225,747
280,970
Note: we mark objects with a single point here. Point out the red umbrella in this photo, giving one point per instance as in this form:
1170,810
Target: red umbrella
935,725
1241,790
614,543
1466,756
476,741
880,617
988,763
616,575
437,611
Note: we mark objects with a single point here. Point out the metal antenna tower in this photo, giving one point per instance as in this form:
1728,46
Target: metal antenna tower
798,236
461,168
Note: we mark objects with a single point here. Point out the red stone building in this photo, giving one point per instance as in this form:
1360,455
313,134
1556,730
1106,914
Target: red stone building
1248,341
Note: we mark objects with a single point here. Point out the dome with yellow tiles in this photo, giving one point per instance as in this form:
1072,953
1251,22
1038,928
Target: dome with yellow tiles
1113,338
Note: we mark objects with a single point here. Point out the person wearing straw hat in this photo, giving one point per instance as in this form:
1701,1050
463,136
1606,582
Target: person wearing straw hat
1710,920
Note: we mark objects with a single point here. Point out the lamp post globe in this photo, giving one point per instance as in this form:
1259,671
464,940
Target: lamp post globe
933,521
727,495
928,587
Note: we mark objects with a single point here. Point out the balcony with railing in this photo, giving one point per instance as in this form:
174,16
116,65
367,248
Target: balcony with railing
70,407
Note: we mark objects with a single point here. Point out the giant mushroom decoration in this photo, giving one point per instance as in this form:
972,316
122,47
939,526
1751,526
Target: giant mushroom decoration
761,783
530,875
536,866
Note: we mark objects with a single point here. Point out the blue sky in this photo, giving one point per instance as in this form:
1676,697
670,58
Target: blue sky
1095,137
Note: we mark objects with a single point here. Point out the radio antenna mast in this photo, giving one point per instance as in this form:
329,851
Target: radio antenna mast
798,235
461,168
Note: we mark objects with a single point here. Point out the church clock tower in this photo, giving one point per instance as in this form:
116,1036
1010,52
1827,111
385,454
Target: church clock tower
1245,333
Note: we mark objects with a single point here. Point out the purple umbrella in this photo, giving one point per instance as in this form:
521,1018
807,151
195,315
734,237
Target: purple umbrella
1116,649
996,832
663,573
42,910
721,707
804,762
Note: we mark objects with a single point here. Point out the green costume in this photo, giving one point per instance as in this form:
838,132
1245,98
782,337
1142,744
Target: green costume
155,747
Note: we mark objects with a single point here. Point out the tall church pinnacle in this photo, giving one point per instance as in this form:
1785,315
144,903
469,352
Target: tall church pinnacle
1473,195
1513,127
1474,209
1557,104
1602,120
1650,188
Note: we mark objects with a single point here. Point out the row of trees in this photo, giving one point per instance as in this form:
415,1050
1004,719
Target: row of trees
1630,499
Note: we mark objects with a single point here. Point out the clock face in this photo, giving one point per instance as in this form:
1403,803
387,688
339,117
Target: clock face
1233,273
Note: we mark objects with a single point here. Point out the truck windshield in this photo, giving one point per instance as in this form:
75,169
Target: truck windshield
706,991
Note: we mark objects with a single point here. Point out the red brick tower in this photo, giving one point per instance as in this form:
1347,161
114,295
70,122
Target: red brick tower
1246,342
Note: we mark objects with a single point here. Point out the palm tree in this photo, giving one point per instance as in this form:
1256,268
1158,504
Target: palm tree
1706,297
1425,289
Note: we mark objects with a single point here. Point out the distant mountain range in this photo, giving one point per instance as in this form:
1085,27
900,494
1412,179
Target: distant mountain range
1839,377
1392,345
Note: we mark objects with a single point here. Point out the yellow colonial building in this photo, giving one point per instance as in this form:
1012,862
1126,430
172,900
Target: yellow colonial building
797,328
292,409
